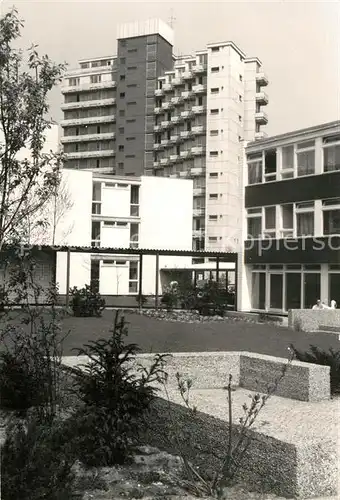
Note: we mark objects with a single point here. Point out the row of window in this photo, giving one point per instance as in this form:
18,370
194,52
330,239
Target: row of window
293,220
295,160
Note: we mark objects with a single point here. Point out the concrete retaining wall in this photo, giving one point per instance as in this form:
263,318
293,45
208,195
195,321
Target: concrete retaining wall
307,320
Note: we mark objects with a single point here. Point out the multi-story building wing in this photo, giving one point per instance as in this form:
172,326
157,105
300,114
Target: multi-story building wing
291,254
204,109
109,102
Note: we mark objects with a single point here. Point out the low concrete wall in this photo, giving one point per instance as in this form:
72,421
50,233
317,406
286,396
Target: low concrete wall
307,320
302,381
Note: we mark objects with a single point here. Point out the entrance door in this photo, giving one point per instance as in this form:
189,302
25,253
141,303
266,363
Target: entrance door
276,291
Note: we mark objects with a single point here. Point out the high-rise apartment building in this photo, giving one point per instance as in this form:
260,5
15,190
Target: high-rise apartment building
109,102
205,108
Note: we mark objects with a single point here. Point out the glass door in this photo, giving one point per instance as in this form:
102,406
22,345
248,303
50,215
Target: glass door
276,291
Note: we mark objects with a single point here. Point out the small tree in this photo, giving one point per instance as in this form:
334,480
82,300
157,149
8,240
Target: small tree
25,81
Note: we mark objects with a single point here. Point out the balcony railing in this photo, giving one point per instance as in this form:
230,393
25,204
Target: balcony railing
157,128
177,99
199,191
167,87
156,164
187,75
87,137
261,97
185,154
197,171
199,68
67,89
198,233
88,120
261,117
174,158
158,110
165,142
167,105
197,110
159,92
260,135
198,212
165,161
186,114
90,154
176,119
186,133
175,138
261,78
177,81
187,94
157,145
199,89
166,124
95,103
198,150
198,130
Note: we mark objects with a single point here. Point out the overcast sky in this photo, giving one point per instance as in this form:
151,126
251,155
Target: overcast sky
298,43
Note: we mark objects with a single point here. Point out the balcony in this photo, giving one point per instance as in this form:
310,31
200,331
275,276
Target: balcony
261,98
197,110
167,105
157,128
198,233
176,119
185,134
261,117
200,191
165,161
260,135
68,89
176,100
199,68
197,171
198,212
261,79
187,75
159,92
184,174
198,130
167,87
199,89
157,110
90,154
177,81
198,150
157,146
165,142
89,104
186,114
185,154
174,158
175,138
156,164
187,94
88,120
166,124
87,138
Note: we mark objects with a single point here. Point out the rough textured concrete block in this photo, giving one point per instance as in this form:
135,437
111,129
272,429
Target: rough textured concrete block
307,320
302,381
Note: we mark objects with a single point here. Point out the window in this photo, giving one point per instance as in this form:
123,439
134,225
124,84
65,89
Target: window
240,118
214,111
254,168
304,219
270,221
122,60
132,50
331,153
213,217
122,95
213,153
312,285
131,85
215,90
132,67
122,77
131,138
73,82
270,165
213,175
134,235
121,130
240,78
213,196
95,233
334,287
212,239
287,221
121,224
130,156
240,98
120,148
215,69
287,171
215,49
131,120
331,216
122,112
131,103
213,132
305,157
254,222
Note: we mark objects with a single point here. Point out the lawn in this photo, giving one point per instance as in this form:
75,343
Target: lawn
154,335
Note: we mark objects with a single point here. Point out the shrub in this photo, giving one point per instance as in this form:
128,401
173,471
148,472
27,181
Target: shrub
35,464
171,296
211,299
329,358
114,395
86,302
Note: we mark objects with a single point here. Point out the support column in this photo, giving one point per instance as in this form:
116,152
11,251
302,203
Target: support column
217,270
140,293
68,267
236,282
157,281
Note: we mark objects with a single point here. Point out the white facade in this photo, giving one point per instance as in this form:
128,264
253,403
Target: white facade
144,28
118,212
204,111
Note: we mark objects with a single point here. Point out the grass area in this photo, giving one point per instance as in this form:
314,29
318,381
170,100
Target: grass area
153,335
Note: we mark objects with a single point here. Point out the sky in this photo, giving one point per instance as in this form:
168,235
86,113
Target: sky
298,43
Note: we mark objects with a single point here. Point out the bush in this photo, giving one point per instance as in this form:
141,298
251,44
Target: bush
114,397
86,302
211,300
34,463
329,358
